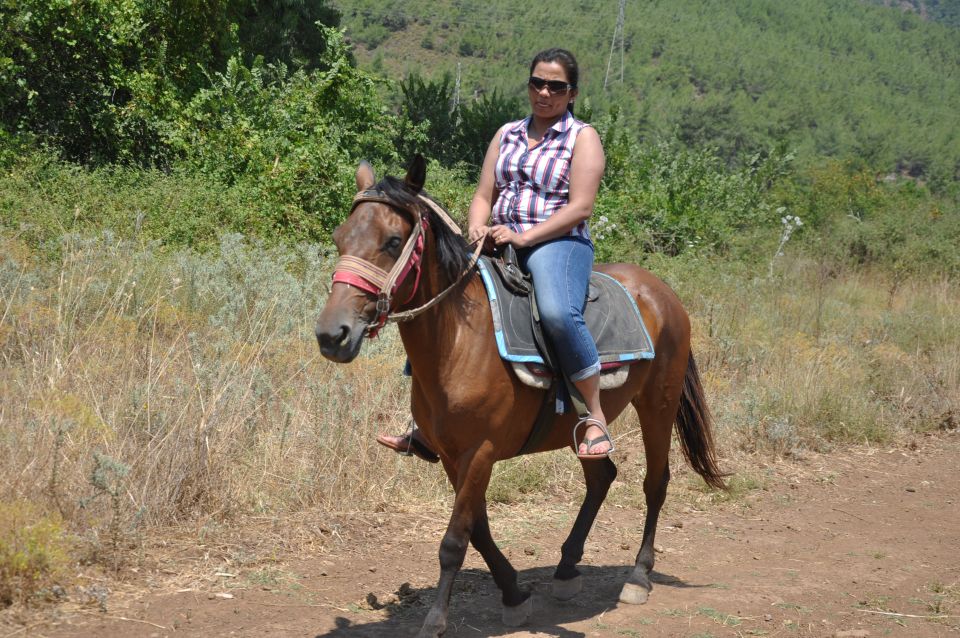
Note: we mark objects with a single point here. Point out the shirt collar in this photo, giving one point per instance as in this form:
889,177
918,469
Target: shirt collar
560,126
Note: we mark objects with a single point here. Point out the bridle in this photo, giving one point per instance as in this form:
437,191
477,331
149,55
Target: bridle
370,278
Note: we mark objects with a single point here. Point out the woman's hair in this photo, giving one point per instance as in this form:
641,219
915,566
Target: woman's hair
565,59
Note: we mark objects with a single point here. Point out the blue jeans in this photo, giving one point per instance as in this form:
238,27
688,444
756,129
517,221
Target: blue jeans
561,276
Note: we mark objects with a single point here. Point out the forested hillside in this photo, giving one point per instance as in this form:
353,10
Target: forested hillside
838,79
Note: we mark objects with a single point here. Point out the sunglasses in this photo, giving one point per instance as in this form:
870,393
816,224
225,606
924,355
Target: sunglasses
554,87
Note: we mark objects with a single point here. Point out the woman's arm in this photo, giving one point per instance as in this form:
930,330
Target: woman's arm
586,170
486,193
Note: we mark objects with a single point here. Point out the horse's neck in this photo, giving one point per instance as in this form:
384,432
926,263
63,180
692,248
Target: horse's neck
435,338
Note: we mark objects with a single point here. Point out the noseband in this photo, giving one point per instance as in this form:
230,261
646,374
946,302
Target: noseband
370,278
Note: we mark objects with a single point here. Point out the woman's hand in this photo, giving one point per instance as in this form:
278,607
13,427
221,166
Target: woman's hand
503,235
482,235
477,233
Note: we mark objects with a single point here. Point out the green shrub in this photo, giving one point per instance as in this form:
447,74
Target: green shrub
41,198
664,198
33,551
896,223
101,80
293,138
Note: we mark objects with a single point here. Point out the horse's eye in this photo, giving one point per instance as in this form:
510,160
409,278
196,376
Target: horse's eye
393,244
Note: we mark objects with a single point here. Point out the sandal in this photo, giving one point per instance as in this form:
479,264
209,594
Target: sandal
408,445
594,441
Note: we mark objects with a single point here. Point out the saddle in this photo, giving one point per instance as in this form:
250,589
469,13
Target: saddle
610,313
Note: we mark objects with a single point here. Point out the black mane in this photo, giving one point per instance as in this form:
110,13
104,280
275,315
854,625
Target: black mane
452,251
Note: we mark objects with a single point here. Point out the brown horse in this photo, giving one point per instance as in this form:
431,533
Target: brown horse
471,408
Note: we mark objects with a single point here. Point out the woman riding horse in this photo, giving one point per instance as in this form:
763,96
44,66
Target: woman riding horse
539,181
399,260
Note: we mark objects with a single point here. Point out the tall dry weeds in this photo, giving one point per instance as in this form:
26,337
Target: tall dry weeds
201,375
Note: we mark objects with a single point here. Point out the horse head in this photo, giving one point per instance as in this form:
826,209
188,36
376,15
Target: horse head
380,245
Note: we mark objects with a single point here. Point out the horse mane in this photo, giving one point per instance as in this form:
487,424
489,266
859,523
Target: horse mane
452,251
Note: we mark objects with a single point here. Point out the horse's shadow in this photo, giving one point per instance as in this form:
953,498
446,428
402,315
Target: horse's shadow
475,605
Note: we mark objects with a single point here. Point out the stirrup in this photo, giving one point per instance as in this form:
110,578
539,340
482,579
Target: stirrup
591,442
408,435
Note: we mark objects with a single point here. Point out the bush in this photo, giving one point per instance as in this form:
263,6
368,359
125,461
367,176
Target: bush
452,133
101,80
854,218
669,199
295,138
42,197
33,552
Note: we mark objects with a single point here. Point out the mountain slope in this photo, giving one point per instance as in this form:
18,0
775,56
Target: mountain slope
841,79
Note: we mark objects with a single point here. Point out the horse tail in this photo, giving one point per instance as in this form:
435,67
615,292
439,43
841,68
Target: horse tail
695,429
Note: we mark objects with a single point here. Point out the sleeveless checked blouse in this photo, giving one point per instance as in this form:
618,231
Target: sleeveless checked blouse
535,183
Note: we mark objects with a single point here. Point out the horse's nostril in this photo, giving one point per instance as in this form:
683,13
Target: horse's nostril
332,338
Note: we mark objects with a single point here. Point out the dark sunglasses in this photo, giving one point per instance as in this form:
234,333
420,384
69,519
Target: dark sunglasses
555,87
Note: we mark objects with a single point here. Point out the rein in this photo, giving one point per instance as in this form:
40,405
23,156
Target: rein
370,278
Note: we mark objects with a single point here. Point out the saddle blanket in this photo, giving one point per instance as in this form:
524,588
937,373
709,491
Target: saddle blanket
611,315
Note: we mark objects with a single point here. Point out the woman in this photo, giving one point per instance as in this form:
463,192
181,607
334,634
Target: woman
538,183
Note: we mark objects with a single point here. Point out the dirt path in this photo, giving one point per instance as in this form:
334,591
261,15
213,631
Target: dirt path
861,544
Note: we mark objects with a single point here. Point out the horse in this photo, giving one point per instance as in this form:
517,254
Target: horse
399,259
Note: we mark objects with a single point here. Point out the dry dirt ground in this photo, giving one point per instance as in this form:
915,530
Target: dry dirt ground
860,543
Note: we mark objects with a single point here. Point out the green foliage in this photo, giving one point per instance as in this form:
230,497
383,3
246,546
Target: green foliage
453,132
669,199
67,71
33,552
100,79
293,138
848,80
895,223
480,120
430,103
285,31
42,197
946,11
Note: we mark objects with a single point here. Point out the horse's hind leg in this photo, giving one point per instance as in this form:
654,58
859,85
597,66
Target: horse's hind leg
599,475
657,429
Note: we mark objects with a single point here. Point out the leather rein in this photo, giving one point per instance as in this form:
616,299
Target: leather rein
370,278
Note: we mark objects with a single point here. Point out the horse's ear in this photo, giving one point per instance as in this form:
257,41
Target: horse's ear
417,173
365,177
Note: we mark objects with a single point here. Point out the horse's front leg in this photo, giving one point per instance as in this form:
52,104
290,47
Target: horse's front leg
517,603
470,477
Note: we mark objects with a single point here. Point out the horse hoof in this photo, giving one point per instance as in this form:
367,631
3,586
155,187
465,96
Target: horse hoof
566,589
516,616
634,594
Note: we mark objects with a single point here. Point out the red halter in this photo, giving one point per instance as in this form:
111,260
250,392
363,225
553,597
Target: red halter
368,277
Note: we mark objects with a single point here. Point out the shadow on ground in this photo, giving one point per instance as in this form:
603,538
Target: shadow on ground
475,605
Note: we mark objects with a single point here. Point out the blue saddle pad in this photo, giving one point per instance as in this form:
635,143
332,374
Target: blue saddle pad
611,315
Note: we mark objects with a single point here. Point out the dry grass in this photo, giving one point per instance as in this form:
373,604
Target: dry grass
144,388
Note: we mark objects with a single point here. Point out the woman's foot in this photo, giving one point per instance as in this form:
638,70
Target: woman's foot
408,444
596,443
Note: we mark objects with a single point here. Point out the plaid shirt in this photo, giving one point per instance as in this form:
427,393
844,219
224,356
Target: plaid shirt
535,183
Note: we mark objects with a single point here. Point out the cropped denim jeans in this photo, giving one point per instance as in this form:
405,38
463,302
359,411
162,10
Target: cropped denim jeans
561,276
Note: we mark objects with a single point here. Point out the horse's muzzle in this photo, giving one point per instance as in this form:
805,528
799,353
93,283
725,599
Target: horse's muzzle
339,341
